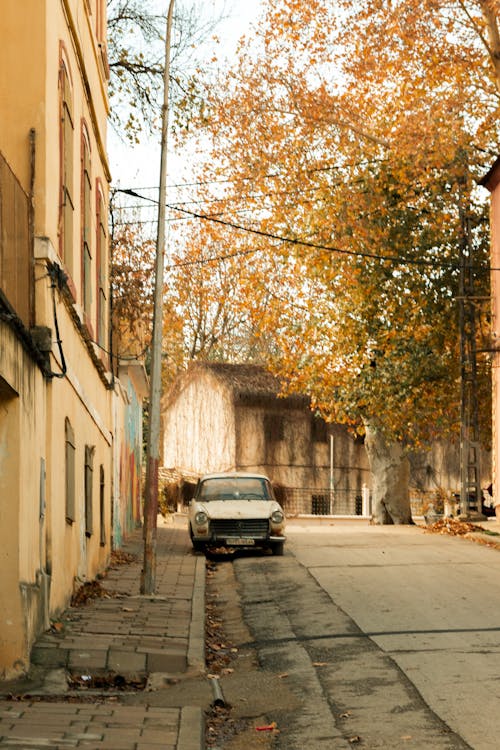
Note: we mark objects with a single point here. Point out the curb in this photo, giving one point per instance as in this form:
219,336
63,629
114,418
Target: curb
196,645
191,729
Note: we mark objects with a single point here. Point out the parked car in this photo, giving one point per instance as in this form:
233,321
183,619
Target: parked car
236,511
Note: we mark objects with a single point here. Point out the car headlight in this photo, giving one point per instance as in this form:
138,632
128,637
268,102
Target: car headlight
201,518
277,516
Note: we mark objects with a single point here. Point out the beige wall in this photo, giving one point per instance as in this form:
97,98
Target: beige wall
298,460
199,429
22,527
205,430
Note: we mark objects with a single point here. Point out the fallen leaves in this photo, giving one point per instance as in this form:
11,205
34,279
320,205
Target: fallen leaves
110,681
119,557
472,531
219,652
453,527
87,592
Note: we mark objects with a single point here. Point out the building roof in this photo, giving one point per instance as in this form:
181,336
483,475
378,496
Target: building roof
249,383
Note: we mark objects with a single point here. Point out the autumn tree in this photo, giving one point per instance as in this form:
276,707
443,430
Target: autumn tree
205,282
136,52
352,136
132,263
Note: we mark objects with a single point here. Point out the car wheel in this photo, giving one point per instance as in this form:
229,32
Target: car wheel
278,549
197,546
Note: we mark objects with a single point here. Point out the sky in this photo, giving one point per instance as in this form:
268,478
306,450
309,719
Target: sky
139,166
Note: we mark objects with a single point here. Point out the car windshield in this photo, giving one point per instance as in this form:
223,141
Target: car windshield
234,488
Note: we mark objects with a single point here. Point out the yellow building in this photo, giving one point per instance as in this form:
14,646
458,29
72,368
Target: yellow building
60,406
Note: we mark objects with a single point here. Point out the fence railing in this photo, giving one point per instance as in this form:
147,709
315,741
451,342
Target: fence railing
347,502
16,268
424,501
325,502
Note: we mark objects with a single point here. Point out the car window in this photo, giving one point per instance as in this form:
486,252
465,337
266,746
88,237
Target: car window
234,488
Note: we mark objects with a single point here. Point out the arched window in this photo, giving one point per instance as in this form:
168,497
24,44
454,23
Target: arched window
86,226
102,506
70,449
66,205
101,263
89,489
100,20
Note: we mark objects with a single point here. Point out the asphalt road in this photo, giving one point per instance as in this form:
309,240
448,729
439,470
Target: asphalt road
386,637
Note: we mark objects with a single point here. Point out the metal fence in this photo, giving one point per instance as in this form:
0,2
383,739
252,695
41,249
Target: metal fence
424,501
347,502
324,502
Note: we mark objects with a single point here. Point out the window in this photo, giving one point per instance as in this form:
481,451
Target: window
319,430
67,206
102,506
101,34
274,428
100,23
70,449
89,482
101,261
86,226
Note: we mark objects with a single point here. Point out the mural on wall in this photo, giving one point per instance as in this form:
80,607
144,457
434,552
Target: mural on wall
127,501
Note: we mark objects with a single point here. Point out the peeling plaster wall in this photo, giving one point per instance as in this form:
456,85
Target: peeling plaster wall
127,481
23,594
297,459
199,428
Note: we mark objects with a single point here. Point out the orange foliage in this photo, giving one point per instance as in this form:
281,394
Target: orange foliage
354,132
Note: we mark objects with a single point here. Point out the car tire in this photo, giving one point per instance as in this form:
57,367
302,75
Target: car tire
277,549
197,546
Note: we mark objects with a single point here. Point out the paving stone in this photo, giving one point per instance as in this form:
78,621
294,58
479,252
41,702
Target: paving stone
49,657
128,662
130,635
87,660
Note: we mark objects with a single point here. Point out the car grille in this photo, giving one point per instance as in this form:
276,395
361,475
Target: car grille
257,528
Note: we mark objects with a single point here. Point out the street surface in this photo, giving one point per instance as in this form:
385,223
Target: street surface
385,637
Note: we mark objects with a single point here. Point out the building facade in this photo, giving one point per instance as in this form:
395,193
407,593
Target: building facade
230,417
59,401
492,183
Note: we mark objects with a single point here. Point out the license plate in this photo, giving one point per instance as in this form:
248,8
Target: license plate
239,541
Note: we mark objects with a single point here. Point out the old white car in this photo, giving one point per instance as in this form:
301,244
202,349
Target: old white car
236,511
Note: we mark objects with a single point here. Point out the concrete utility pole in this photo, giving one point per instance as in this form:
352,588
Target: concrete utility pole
148,576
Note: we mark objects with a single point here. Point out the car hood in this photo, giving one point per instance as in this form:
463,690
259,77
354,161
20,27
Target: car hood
239,508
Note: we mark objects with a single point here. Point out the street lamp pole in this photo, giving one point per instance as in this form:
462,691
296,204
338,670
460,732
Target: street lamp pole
148,576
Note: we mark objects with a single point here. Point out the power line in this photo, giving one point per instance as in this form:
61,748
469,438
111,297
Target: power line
400,260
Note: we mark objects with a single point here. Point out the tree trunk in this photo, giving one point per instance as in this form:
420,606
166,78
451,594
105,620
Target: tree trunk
390,470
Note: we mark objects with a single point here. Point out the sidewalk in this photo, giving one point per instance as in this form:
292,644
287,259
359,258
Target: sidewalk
117,644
